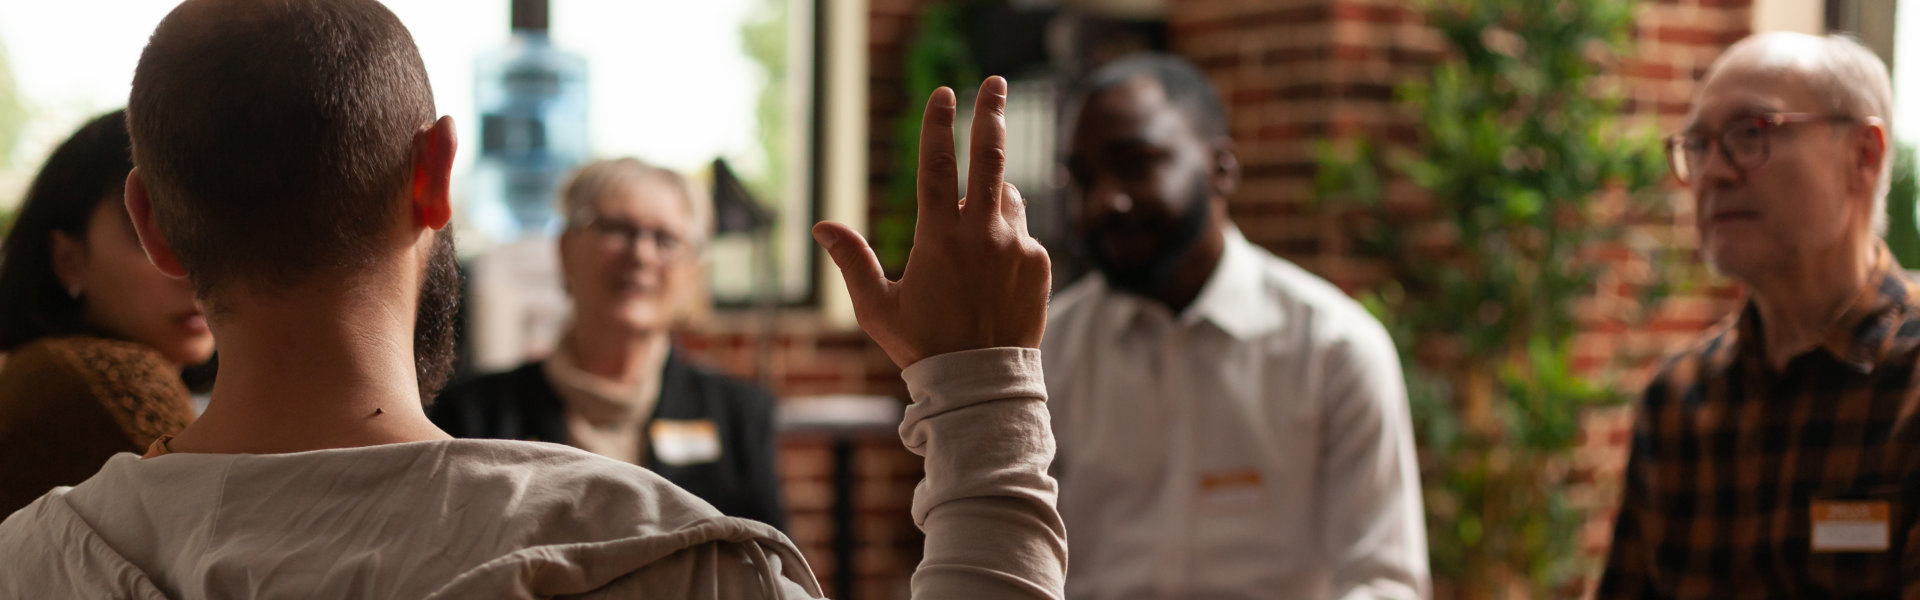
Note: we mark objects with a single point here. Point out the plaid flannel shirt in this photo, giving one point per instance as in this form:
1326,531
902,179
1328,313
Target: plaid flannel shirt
1729,455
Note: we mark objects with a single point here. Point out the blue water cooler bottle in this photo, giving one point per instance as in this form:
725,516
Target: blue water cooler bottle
532,102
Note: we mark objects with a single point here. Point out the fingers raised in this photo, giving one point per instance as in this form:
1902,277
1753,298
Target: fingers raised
939,183
987,162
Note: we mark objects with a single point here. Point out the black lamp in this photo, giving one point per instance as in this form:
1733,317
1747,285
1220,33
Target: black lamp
737,212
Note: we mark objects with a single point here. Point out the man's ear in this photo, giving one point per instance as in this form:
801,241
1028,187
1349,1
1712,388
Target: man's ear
431,194
1870,148
140,208
1225,169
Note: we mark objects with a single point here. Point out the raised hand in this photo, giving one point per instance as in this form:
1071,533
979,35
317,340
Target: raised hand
975,278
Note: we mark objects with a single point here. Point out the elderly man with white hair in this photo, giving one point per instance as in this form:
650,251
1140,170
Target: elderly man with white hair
1776,456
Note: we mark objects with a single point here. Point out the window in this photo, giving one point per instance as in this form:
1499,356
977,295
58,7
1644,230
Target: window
677,84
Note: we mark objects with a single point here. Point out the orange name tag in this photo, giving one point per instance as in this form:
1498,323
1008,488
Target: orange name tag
1847,526
1241,486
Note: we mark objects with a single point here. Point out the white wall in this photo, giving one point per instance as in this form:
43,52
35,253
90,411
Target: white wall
845,165
1804,16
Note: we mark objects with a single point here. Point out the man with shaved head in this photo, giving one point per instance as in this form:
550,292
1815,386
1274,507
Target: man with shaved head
1777,457
289,164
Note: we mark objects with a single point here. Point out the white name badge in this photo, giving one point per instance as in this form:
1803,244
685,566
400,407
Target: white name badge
1840,526
677,443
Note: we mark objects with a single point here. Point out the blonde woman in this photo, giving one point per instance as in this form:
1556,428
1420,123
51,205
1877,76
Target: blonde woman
614,385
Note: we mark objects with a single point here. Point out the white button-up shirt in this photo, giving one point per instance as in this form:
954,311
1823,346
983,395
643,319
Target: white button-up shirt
1256,445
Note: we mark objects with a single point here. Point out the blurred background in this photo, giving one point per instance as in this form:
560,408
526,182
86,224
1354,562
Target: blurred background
1350,117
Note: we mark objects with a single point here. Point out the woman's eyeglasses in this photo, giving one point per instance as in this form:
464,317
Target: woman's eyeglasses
613,235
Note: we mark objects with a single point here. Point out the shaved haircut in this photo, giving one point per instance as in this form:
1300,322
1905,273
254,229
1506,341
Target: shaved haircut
275,137
1183,83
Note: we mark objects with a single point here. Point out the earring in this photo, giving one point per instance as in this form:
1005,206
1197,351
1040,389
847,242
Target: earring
73,291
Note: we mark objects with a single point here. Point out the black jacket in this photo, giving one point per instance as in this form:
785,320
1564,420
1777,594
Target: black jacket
521,405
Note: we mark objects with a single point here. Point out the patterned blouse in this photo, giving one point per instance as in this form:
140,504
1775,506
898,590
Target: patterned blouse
69,403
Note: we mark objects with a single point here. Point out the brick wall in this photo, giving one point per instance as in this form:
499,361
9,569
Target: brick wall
806,358
1676,41
1297,72
890,23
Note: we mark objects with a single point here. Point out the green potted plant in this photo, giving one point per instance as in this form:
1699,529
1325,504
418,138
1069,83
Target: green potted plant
1522,176
937,54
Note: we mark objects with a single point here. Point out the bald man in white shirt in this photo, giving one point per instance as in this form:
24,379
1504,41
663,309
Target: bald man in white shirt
1229,425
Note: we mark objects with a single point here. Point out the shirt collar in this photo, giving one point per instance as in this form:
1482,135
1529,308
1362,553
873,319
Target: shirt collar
1864,333
1233,299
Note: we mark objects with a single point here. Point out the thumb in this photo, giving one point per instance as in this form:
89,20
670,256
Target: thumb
858,265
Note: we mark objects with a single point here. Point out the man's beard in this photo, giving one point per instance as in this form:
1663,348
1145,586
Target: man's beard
433,325
1164,263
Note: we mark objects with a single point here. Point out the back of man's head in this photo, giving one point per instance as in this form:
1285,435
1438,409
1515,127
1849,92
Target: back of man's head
274,137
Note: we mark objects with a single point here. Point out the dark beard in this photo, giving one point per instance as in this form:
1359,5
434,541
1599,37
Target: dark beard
433,325
1143,279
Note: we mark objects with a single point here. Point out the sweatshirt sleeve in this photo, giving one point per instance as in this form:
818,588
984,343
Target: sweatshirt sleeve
987,504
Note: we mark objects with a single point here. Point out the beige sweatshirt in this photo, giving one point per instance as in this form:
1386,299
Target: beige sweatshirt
503,519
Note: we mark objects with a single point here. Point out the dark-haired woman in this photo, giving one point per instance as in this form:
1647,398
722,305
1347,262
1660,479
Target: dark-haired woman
96,337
